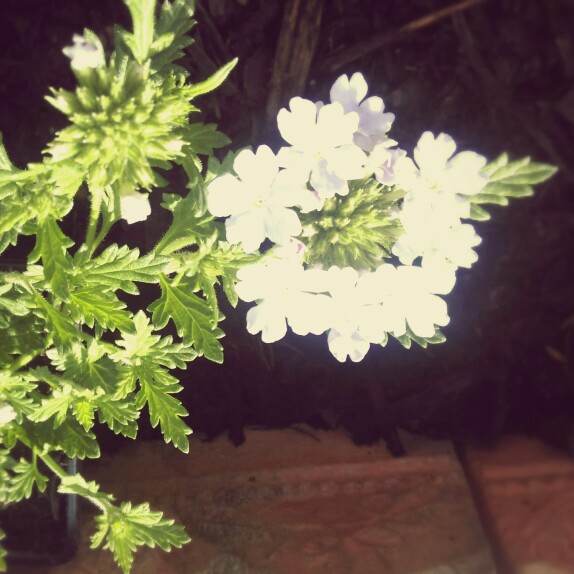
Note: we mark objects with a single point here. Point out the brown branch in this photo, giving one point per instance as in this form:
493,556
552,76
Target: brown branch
341,57
295,50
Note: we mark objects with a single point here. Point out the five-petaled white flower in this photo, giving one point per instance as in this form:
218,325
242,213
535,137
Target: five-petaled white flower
410,298
357,317
257,200
286,293
322,150
433,229
135,207
441,172
374,123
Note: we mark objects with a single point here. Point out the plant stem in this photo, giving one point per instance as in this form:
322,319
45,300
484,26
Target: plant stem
106,225
102,505
24,360
95,209
52,464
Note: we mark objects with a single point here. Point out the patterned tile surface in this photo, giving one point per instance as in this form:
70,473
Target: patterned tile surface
527,493
296,502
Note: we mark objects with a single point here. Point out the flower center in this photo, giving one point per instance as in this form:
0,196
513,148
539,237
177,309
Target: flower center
259,202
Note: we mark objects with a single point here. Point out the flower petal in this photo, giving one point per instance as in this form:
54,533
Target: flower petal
295,125
269,319
342,346
247,229
225,196
281,224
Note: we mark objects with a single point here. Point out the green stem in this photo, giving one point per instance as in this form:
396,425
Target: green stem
51,464
106,225
102,505
95,209
24,360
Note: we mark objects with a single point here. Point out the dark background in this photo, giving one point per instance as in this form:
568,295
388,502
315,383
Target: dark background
498,76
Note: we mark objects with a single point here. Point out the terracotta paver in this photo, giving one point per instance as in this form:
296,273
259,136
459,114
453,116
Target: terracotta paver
526,489
296,502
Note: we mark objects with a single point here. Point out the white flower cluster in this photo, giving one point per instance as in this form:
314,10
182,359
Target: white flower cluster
331,145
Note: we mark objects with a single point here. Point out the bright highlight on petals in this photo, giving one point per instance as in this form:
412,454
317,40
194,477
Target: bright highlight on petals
257,201
135,207
7,414
342,197
322,150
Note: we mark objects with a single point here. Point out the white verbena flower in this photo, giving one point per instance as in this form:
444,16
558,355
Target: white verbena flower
438,170
410,298
433,230
135,207
84,53
257,200
357,318
322,149
286,293
373,122
7,413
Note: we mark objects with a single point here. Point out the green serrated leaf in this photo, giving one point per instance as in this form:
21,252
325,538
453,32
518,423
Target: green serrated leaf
83,410
156,388
214,81
143,18
187,228
91,305
128,527
191,316
62,329
119,268
204,138
76,441
119,415
509,180
495,188
51,246
228,283
56,406
25,477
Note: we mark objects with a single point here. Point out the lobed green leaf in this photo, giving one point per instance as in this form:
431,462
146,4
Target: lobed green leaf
192,317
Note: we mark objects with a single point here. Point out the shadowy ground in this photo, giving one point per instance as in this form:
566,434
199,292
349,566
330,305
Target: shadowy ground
497,76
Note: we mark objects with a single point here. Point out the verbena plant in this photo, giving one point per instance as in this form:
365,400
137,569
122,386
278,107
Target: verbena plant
339,233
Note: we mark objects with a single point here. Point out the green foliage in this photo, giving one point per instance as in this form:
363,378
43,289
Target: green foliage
192,317
356,230
79,344
507,180
409,337
118,268
24,476
125,527
140,42
51,245
190,224
73,350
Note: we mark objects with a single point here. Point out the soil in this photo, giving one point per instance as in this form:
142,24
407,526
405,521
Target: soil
497,76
